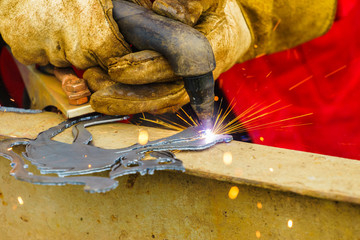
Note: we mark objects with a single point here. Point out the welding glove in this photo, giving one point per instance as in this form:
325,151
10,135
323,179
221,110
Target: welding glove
61,32
225,27
238,30
116,98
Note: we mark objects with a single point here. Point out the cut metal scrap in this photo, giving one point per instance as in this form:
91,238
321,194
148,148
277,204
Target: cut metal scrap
92,184
80,157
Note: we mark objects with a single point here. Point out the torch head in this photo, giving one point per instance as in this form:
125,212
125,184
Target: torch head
201,92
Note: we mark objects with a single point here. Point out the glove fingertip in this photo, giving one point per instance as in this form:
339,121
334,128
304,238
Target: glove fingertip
97,79
188,13
141,68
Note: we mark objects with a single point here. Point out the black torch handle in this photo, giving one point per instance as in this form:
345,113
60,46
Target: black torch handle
187,50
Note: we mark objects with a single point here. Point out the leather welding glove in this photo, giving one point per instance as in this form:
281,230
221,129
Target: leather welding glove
152,69
116,98
238,30
62,32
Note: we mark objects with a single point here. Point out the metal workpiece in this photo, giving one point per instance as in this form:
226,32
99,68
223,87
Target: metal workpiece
20,172
80,157
282,194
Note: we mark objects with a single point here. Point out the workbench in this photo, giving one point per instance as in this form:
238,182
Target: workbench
283,194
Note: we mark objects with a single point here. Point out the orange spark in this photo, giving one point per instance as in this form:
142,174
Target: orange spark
223,125
267,113
234,192
297,125
276,25
249,117
238,127
20,200
220,83
286,119
178,115
301,82
143,137
250,76
249,109
296,54
262,109
290,223
333,72
172,125
191,119
260,55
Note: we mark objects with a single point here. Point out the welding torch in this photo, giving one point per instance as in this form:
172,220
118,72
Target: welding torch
186,49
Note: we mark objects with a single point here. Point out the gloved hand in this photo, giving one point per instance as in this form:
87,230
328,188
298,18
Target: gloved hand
224,25
137,92
61,32
237,30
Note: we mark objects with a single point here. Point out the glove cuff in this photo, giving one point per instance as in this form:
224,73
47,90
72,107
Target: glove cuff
282,24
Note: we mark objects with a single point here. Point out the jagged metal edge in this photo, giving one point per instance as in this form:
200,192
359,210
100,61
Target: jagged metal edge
81,137
92,184
191,138
176,165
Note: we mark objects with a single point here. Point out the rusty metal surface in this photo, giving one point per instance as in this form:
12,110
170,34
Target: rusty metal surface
168,205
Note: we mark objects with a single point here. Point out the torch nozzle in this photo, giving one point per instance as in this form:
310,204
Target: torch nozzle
201,93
